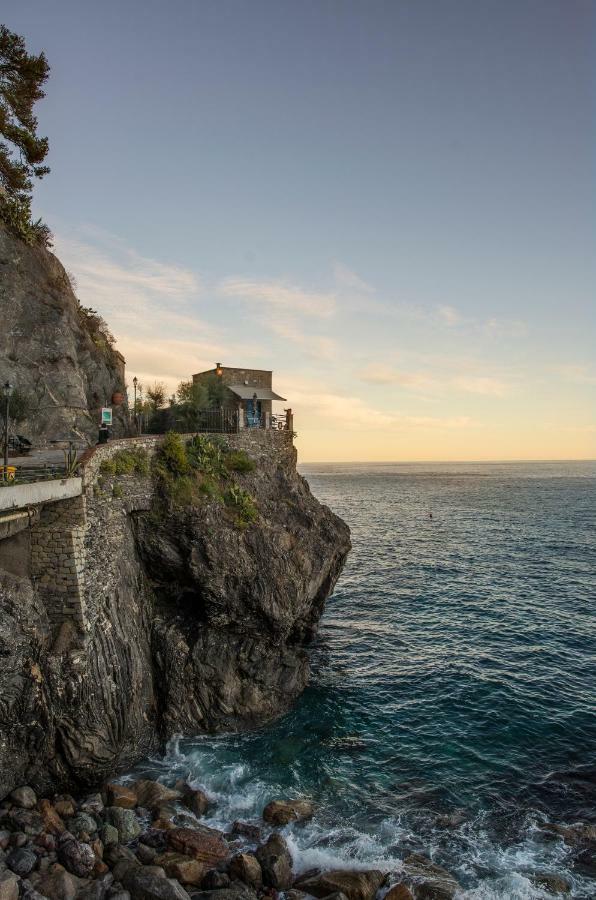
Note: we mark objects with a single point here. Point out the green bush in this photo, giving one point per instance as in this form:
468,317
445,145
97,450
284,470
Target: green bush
210,489
117,491
206,455
243,504
126,462
239,461
172,455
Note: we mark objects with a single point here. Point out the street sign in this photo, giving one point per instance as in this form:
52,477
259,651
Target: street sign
106,415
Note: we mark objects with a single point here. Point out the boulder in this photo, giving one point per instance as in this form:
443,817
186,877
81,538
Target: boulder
186,869
281,812
573,835
276,863
214,880
431,882
58,884
355,885
246,868
93,804
143,885
109,835
24,797
205,844
233,892
152,793
193,798
125,821
82,824
65,806
21,861
553,884
77,857
399,892
245,829
9,886
52,821
120,795
28,821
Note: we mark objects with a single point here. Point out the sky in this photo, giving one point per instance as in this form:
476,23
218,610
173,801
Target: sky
390,204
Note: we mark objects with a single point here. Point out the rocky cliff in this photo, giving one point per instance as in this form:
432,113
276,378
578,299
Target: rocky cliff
192,621
56,356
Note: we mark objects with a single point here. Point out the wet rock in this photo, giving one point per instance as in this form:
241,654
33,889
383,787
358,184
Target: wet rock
295,895
83,823
125,821
21,861
99,889
28,892
120,895
355,885
233,892
245,829
399,892
154,837
276,863
145,886
554,884
9,886
26,820
205,844
214,880
186,869
4,839
52,821
18,839
93,804
65,806
145,854
193,798
114,853
78,858
109,835
246,868
24,797
281,812
431,882
573,835
58,884
120,796
153,793
585,862
451,820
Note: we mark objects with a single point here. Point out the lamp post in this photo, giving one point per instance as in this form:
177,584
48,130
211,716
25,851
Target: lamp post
218,370
135,382
7,393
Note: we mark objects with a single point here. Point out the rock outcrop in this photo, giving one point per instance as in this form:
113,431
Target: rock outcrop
191,623
53,354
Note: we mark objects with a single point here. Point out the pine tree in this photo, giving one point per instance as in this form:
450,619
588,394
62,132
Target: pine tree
22,151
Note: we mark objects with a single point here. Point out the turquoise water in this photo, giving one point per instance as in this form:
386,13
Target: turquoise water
454,672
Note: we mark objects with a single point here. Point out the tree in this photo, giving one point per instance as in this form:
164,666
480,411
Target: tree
157,395
22,151
192,397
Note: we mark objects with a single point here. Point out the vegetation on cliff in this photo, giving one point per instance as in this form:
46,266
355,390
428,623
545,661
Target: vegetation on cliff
22,150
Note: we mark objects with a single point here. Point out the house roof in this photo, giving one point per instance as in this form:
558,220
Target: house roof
248,391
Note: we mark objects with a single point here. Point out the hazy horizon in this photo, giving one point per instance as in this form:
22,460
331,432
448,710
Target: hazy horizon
391,205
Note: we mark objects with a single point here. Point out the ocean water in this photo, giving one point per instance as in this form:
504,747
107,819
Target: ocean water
452,707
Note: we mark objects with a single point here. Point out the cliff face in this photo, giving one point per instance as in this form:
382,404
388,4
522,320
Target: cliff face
50,351
192,624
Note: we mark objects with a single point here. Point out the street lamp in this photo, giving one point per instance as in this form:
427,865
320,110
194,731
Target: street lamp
135,382
7,393
218,370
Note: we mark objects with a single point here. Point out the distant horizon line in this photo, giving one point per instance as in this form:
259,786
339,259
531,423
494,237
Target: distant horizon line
384,462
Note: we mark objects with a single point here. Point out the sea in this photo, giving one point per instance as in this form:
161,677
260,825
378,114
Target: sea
452,705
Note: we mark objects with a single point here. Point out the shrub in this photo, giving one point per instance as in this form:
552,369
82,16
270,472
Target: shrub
172,455
126,462
239,461
243,504
210,489
117,491
206,455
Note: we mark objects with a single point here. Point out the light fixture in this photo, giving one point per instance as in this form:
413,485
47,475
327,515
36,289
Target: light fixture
218,370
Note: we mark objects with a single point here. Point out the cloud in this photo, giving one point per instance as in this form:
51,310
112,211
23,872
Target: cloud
346,278
315,346
280,295
449,315
507,328
434,382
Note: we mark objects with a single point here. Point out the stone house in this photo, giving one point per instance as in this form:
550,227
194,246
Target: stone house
250,392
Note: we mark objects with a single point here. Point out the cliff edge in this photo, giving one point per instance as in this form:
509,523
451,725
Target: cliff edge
181,617
53,351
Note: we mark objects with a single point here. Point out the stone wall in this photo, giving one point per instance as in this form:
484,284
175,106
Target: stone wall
58,561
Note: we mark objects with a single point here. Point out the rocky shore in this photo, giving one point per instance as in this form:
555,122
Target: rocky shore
148,841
